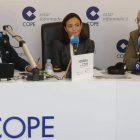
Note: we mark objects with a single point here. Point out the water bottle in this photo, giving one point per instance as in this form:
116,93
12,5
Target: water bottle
49,67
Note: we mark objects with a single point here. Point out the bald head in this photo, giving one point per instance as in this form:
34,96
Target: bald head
138,19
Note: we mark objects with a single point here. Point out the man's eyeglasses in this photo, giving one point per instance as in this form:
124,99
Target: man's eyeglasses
137,21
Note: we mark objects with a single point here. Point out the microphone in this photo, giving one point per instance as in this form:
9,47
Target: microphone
137,64
4,42
74,40
139,41
139,48
2,38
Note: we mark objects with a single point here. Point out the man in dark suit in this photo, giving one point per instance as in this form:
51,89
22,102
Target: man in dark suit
131,53
9,55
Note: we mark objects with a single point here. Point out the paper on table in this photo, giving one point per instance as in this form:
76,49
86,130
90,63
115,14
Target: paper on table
97,73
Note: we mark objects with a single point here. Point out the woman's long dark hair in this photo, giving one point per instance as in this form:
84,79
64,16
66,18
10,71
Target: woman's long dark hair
63,35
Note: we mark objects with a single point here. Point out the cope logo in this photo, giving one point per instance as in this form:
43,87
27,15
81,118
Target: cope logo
137,66
29,125
121,47
28,14
92,13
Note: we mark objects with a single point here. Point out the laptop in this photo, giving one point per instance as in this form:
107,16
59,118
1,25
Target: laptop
6,70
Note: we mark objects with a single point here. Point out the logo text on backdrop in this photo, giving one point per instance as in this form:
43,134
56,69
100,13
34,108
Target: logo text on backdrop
121,47
92,14
28,14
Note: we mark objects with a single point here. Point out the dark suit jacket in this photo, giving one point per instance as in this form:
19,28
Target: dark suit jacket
61,52
9,55
131,56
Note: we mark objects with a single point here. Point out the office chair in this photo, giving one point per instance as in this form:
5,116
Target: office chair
49,33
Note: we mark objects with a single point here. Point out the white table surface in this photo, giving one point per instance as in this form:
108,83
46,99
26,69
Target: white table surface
103,108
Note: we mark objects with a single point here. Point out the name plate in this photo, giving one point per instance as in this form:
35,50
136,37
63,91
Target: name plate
82,66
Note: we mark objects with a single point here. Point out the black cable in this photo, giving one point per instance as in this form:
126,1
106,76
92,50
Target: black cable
53,76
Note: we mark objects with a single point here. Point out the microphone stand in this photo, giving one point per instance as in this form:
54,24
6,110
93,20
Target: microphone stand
68,70
35,72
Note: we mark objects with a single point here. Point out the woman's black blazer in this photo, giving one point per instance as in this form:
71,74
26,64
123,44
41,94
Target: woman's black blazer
61,52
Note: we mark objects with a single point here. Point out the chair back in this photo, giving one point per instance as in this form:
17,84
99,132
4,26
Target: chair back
49,33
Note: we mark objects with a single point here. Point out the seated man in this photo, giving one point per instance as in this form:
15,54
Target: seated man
131,53
9,55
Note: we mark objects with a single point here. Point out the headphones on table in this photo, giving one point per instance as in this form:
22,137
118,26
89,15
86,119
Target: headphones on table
118,69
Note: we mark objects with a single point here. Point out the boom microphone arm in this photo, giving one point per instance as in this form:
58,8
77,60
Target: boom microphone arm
22,43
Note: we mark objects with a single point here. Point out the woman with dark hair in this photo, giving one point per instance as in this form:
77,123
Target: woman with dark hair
62,49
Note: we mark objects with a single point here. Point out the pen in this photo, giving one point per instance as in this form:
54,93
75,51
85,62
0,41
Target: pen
38,60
